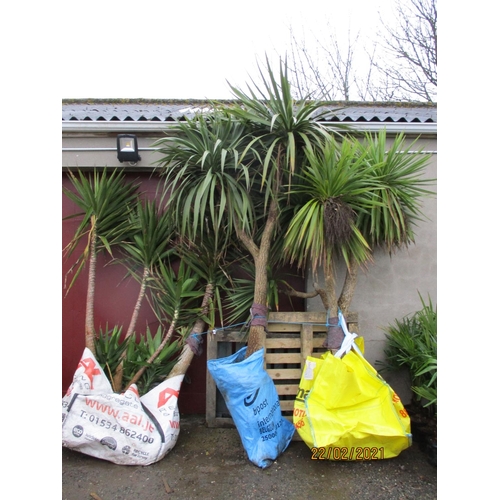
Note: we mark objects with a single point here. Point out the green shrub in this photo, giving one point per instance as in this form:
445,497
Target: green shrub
412,344
109,348
139,352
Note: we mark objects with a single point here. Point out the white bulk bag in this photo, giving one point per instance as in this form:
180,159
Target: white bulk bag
121,428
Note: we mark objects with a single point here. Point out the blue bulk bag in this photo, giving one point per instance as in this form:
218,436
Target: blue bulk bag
253,402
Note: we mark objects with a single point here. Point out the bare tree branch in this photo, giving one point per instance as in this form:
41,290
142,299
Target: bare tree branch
413,44
324,72
400,65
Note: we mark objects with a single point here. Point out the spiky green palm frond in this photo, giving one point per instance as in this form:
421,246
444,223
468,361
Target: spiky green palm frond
412,344
138,353
240,287
207,174
110,346
176,294
283,125
210,263
335,174
400,172
151,237
105,200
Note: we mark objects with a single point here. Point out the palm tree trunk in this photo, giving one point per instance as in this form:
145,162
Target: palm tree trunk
137,308
334,333
349,287
118,376
330,293
89,310
257,334
187,354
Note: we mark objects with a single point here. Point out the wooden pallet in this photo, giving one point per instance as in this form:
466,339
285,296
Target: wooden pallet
291,338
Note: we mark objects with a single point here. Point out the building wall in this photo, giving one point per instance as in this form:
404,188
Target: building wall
388,289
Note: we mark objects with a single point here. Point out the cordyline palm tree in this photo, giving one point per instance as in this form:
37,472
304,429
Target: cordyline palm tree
199,162
174,297
354,196
207,190
399,170
332,188
144,234
204,258
205,181
106,201
150,242
227,170
281,129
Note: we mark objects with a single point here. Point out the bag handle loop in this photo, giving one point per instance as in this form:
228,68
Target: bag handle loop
348,342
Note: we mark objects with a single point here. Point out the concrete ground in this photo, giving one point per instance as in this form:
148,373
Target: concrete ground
211,464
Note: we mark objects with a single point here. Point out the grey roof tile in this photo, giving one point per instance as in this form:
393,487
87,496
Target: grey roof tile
164,111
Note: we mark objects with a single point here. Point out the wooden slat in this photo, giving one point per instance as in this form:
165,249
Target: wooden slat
283,328
287,405
225,336
318,341
285,373
283,357
287,389
283,343
298,317
307,317
306,347
317,354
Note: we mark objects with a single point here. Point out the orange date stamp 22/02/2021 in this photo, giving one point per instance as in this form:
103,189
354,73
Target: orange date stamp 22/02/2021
344,453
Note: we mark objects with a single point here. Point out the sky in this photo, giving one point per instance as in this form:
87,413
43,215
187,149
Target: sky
190,50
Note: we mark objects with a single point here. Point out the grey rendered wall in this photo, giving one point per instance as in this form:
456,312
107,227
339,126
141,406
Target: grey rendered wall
86,151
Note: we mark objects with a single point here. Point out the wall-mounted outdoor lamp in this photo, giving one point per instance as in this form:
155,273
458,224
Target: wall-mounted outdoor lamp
127,149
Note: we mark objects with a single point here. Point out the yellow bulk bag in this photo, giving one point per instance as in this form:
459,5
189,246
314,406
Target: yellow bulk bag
344,410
